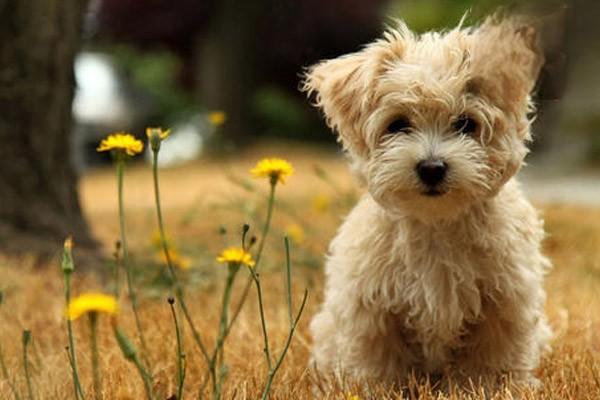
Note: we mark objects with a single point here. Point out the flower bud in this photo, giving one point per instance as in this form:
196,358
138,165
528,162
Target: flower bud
156,136
67,258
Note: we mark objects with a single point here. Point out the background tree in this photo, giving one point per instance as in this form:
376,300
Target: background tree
245,57
38,185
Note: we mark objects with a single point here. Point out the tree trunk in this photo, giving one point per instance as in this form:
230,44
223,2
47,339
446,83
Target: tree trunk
225,64
38,185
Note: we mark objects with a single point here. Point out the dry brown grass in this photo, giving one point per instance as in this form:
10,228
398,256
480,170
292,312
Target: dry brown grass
200,198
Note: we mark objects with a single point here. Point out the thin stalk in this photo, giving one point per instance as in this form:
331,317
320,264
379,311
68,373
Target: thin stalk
26,340
288,275
76,383
132,295
180,355
118,266
120,173
183,375
263,322
130,353
265,231
161,228
195,333
274,370
146,377
267,225
95,356
232,270
175,284
6,377
246,290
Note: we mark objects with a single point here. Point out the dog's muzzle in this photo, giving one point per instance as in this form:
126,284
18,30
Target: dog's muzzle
432,172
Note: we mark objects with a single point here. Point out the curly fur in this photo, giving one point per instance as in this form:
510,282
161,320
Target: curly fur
446,283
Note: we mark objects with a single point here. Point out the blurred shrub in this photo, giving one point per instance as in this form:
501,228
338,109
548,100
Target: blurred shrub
284,113
587,127
156,74
425,15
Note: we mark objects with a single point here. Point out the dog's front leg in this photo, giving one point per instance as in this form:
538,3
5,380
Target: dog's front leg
507,343
352,340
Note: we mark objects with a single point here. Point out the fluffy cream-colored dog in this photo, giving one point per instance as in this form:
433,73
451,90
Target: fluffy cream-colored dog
438,268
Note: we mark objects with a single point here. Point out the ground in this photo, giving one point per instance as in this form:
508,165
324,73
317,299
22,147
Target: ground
201,199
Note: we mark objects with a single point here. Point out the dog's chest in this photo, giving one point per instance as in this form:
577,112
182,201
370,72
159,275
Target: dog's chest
441,289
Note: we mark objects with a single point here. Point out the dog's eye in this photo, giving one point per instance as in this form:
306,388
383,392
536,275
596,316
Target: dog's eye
465,125
400,124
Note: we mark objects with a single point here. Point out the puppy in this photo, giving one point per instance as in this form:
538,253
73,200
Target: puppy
438,268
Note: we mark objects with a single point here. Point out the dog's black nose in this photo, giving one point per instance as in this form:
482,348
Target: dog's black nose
432,172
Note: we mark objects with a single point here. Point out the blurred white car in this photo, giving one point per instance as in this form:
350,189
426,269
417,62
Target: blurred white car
104,102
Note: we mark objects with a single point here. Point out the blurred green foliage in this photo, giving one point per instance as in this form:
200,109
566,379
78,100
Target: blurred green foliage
585,125
284,113
155,74
426,15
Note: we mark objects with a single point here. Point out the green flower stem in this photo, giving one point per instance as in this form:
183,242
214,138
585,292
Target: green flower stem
246,290
178,289
146,378
217,361
118,266
293,321
267,225
93,316
263,323
288,275
195,333
161,228
76,383
132,295
274,370
180,355
130,354
6,376
265,231
26,340
176,285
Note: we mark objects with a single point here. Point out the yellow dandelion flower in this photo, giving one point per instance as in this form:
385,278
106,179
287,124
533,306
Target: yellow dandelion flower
91,302
295,232
178,261
121,142
321,203
351,396
275,168
217,118
153,132
236,255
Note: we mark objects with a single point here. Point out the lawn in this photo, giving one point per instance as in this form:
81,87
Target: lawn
205,205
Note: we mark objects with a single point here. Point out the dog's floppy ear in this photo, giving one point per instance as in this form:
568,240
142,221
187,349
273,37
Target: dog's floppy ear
344,87
506,60
341,90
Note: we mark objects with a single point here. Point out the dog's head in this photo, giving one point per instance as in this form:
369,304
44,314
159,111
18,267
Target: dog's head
433,122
